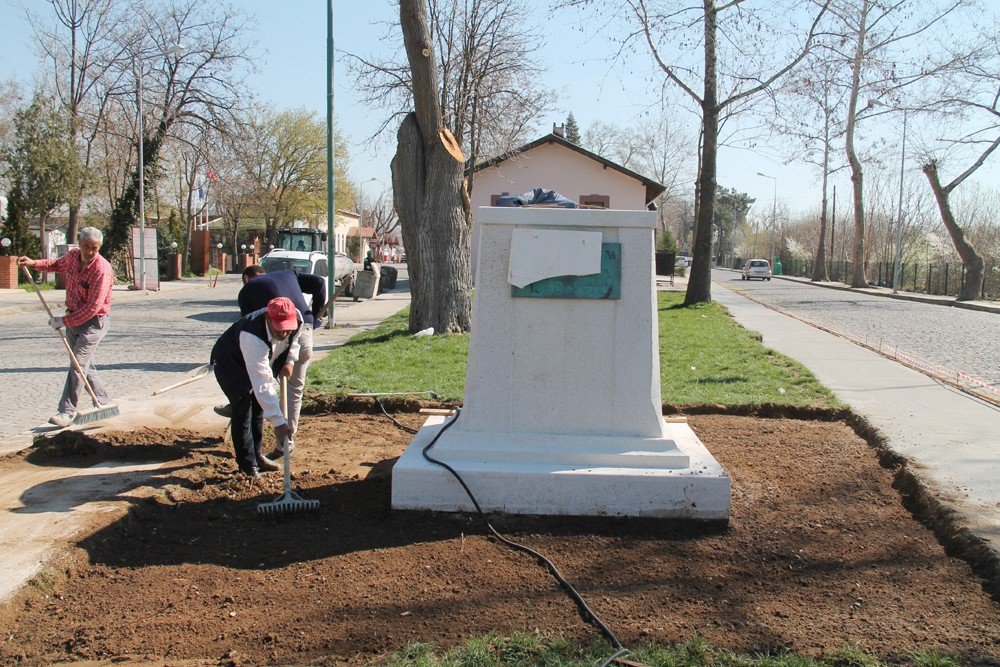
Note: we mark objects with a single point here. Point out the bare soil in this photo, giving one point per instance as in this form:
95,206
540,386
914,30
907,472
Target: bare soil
820,551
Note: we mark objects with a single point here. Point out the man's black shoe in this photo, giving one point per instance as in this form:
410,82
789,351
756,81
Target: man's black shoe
224,410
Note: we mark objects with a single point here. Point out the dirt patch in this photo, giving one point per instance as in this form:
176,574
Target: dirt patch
83,447
819,551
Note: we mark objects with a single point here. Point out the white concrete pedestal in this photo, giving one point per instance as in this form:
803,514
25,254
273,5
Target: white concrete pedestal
562,404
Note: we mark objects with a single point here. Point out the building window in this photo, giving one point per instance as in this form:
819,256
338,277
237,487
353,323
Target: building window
595,201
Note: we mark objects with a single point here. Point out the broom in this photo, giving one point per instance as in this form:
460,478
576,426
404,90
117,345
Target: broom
288,502
99,412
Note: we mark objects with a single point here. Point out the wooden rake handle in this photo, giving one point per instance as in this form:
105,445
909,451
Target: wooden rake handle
62,337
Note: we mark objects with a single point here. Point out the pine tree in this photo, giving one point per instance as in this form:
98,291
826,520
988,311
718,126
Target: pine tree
572,129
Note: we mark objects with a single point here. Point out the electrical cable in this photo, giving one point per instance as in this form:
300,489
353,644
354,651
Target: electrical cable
585,611
393,419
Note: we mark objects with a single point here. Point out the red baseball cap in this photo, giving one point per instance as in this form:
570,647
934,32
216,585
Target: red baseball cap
281,311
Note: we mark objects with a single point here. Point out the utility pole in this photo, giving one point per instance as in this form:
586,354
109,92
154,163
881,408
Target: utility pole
331,192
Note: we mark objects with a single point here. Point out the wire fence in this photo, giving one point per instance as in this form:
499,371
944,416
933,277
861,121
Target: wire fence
941,278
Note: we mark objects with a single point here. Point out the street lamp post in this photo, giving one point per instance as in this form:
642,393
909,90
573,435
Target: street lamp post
331,191
774,210
897,260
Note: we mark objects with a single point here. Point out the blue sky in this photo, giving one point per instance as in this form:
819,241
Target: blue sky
291,39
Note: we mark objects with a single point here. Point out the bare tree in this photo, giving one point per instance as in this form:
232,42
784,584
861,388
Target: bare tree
429,192
737,55
881,45
812,115
657,150
491,90
193,54
85,45
974,95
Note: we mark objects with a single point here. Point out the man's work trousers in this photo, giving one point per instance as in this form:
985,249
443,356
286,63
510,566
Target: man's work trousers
297,381
247,430
83,340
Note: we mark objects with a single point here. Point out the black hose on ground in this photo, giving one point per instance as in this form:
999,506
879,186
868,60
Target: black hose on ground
586,612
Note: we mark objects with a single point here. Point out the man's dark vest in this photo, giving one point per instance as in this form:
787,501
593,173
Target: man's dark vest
230,368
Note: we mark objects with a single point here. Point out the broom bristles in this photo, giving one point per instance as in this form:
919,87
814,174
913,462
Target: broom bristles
96,414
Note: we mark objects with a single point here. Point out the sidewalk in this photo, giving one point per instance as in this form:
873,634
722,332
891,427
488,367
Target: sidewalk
949,439
13,301
939,300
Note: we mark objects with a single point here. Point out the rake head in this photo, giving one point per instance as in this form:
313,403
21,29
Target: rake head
288,503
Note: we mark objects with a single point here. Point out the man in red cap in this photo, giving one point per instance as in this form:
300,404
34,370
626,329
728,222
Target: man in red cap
247,357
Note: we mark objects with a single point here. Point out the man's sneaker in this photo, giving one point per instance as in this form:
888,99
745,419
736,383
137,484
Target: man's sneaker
63,419
252,473
278,452
267,465
224,410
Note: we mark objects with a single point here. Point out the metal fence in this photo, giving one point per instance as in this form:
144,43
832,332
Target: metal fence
943,278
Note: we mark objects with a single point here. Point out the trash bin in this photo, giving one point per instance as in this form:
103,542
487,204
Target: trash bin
388,275
776,267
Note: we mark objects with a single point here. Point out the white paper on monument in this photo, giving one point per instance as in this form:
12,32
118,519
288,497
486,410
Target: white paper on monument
536,254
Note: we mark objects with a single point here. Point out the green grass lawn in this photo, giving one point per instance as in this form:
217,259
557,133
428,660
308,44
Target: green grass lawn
526,650
705,357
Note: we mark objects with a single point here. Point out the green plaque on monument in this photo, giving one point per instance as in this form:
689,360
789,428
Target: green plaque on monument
604,285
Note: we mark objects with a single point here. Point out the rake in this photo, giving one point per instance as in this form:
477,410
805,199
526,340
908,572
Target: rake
288,502
99,412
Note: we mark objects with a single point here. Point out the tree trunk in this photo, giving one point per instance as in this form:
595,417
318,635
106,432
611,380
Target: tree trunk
699,288
972,260
858,278
428,190
819,265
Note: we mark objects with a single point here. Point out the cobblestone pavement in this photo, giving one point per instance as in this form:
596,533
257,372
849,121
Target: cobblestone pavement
954,339
152,342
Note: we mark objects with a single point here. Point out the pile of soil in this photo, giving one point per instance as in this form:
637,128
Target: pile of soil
820,551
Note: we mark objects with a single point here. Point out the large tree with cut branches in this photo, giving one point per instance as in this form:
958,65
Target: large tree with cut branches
491,90
429,192
719,55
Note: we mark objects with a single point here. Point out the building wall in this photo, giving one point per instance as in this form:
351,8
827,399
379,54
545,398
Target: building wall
553,167
558,168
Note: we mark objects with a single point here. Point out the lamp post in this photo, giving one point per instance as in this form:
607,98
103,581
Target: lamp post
331,192
774,210
142,173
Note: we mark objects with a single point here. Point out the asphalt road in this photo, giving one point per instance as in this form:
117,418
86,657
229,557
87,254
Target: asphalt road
955,339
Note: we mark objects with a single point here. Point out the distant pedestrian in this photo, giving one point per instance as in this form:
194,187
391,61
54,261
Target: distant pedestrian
248,356
367,264
89,279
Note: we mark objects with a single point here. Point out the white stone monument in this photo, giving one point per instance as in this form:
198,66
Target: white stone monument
562,411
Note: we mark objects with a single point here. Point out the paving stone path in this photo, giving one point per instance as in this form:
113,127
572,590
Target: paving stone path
152,343
955,339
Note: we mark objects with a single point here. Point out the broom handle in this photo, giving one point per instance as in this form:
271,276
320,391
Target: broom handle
62,337
286,446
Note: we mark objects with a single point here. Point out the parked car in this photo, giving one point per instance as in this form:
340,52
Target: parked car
683,260
756,268
310,262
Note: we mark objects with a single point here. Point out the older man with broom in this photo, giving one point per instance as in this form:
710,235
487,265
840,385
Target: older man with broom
88,305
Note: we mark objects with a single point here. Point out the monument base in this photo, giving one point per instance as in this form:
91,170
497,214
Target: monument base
632,482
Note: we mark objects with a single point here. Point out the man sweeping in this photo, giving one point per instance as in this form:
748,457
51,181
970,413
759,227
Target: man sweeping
248,357
88,305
